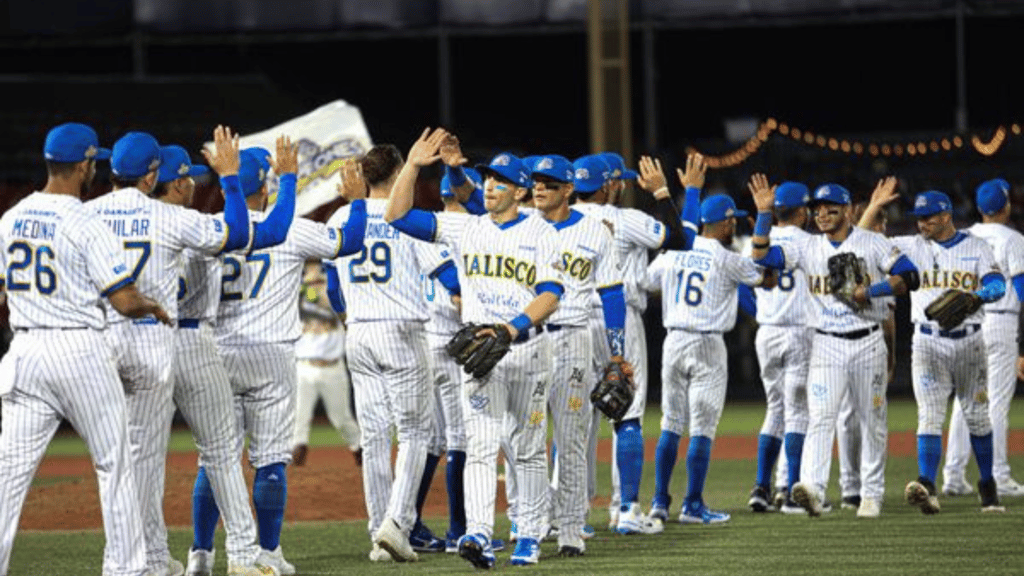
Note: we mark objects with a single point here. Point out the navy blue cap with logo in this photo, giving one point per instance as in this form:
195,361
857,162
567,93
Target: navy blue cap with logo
554,166
617,164
508,167
992,195
830,194
592,172
719,207
931,202
175,163
73,142
791,195
135,155
262,155
251,174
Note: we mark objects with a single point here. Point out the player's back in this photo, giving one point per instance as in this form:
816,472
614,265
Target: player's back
198,287
153,235
588,262
382,282
259,291
1008,250
59,260
788,304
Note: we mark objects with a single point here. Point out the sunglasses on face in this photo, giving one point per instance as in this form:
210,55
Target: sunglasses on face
823,211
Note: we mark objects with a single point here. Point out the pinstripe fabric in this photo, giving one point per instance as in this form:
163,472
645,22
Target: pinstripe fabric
694,374
203,394
450,428
848,446
783,353
70,374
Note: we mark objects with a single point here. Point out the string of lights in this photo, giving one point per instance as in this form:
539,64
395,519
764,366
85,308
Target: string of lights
858,148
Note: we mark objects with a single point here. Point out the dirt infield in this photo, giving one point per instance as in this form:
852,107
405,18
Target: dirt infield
328,487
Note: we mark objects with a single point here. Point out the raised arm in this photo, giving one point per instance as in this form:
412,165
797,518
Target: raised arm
225,160
764,199
454,160
424,151
652,179
274,229
884,194
692,181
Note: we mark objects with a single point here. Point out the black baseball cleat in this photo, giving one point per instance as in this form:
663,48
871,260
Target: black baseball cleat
989,496
851,502
570,552
759,499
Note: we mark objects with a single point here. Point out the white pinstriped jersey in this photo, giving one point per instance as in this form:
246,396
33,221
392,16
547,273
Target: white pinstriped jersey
502,264
57,260
698,286
787,304
635,234
154,234
259,299
1008,249
444,317
961,266
382,282
322,337
588,262
199,286
831,315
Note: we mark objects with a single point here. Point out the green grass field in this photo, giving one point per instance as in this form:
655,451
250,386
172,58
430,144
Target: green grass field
960,540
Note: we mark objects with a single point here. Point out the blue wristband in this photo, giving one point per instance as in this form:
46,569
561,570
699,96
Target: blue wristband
521,323
456,176
763,225
882,288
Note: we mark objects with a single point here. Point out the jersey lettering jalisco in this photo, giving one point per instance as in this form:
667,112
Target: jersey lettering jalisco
153,234
811,256
588,263
501,264
382,282
959,263
787,304
58,261
699,287
259,291
1008,250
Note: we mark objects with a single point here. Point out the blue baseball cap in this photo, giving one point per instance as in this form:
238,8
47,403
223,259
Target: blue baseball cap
260,154
554,166
591,173
618,166
135,154
830,194
931,202
529,161
73,142
175,163
791,195
446,186
992,195
251,174
717,208
508,167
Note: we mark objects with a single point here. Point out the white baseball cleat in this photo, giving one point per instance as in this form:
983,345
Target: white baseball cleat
613,518
254,569
869,508
1010,488
807,498
391,538
917,494
634,521
957,487
200,562
378,554
275,559
172,568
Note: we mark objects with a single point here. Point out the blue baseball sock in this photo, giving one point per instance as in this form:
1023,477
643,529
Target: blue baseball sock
269,493
768,448
429,467
929,452
982,446
456,503
205,513
698,460
664,461
629,454
794,452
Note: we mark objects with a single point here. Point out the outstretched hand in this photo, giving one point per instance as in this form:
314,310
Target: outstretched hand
696,169
286,158
224,158
353,185
451,151
426,149
885,191
762,191
651,177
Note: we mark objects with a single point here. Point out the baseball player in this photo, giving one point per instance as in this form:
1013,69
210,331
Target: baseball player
783,345
847,350
58,262
389,360
509,280
322,371
1000,331
201,388
635,233
154,234
953,360
699,302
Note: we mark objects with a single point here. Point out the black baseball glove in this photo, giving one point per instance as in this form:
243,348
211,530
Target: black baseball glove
479,347
614,393
952,307
846,272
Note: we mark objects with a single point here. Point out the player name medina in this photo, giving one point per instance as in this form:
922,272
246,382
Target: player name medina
948,279
33,229
498,266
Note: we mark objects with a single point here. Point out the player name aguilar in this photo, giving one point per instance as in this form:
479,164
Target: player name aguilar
499,266
134,227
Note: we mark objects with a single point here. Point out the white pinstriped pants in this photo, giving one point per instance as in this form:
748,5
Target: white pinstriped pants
70,374
449,424
942,365
694,374
330,383
390,369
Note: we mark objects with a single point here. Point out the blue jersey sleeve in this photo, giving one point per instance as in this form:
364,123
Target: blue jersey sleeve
236,214
274,229
418,224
